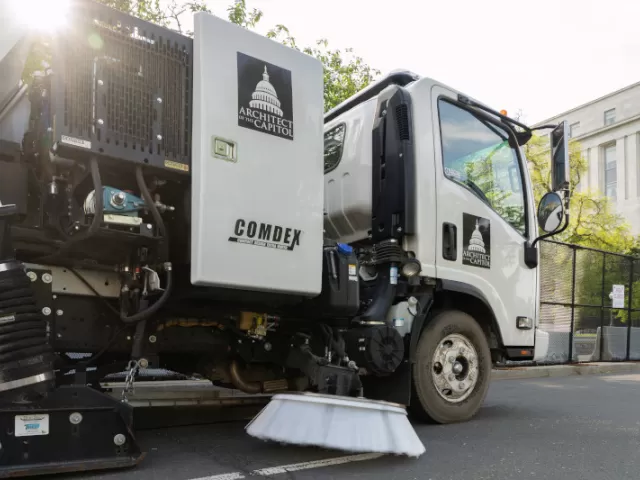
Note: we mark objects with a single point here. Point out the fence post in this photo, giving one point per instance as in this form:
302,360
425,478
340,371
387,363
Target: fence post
604,259
632,261
573,303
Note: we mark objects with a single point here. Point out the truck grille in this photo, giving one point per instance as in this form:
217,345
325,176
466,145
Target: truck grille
122,88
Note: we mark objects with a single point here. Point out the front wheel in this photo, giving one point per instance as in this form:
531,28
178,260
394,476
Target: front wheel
452,369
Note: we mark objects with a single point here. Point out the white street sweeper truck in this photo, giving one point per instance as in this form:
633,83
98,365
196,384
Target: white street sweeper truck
185,203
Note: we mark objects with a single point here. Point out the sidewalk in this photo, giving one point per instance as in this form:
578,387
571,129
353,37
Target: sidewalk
545,371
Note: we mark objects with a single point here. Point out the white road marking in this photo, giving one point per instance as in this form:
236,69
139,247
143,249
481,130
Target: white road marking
327,462
224,476
265,472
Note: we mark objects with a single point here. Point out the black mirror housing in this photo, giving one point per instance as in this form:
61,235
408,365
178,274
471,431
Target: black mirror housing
560,157
553,209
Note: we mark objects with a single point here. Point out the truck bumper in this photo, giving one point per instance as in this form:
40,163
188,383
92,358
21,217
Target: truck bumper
541,345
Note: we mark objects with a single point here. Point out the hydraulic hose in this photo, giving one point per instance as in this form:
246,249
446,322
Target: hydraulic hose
336,343
146,196
135,318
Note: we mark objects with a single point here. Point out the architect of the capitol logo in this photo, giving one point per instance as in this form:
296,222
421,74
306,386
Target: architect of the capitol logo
261,108
476,246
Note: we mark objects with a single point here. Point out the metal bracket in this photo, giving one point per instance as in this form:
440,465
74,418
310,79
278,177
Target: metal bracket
224,149
74,428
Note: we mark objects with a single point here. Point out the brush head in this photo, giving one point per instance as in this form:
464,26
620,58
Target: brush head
335,422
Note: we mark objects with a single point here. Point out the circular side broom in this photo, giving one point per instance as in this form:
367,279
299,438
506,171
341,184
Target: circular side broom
337,422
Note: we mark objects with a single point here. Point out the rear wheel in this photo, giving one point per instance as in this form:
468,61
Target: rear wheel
452,369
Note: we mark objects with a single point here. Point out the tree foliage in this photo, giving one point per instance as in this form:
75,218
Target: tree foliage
345,74
593,220
594,223
169,15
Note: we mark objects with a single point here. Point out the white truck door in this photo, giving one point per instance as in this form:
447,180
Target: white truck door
484,209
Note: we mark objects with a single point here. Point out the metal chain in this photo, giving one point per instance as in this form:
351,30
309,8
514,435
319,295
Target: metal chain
132,368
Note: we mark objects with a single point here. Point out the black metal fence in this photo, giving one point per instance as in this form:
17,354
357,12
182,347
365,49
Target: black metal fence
589,304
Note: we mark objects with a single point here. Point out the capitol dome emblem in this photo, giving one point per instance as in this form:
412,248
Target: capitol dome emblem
264,97
476,246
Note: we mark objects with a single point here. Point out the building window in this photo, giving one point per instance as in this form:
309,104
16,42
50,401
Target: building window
609,117
610,173
574,128
333,146
583,184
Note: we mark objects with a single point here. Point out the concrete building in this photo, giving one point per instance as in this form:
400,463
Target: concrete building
608,129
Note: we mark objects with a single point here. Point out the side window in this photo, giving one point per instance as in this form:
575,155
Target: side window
476,153
333,146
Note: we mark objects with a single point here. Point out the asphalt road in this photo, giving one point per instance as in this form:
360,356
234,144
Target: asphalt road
574,428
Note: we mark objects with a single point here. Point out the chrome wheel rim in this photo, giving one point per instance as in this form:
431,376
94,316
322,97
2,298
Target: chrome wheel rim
454,368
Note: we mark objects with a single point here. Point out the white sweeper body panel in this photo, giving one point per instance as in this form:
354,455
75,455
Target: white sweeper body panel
257,194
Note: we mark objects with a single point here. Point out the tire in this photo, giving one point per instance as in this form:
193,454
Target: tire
445,335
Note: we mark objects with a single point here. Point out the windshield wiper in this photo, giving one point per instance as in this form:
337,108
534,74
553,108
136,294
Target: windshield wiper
478,191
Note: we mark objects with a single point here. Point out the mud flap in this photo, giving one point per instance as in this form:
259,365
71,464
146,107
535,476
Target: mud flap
395,388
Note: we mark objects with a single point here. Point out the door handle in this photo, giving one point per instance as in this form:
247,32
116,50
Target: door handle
449,242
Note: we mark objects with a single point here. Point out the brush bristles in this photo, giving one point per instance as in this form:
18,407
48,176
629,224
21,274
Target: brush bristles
348,427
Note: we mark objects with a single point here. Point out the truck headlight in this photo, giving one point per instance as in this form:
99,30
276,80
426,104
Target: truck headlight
524,323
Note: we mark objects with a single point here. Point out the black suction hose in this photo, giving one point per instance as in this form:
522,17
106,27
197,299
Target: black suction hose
26,357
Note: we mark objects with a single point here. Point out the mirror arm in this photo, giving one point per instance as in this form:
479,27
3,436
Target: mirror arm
544,127
550,234
530,251
567,201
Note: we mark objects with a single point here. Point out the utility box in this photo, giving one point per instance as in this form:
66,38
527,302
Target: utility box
257,178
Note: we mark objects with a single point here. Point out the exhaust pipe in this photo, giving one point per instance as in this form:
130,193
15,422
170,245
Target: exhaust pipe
253,388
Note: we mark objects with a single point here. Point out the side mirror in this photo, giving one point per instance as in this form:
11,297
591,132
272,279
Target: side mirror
560,157
550,212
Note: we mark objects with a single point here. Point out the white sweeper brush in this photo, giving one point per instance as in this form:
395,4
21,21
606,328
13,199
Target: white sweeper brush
335,422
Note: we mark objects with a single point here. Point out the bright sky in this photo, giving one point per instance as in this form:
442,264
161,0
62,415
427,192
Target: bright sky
543,57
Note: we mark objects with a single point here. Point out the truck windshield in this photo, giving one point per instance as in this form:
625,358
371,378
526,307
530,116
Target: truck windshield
477,154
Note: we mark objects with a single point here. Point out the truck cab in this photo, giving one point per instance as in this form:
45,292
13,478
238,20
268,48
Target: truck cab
470,216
